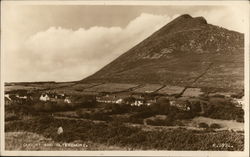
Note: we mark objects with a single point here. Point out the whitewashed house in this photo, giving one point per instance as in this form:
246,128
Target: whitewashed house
21,97
239,102
7,96
137,103
119,101
44,97
67,100
182,105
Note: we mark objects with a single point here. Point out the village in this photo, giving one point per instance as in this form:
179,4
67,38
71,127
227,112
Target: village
142,107
132,98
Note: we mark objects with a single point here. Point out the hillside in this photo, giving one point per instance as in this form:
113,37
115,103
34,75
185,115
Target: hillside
186,52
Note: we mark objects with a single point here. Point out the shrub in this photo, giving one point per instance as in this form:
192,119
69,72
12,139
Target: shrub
12,117
162,106
130,137
83,114
195,106
184,115
240,119
178,123
136,120
203,125
219,110
144,114
100,116
156,122
119,108
215,126
160,122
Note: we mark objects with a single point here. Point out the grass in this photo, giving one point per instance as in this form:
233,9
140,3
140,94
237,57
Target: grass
111,87
34,142
171,90
117,134
148,88
192,92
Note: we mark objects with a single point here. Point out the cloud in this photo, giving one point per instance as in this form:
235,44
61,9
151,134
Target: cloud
230,17
63,54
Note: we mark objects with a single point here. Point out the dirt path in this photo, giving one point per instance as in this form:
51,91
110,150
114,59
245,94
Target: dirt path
225,124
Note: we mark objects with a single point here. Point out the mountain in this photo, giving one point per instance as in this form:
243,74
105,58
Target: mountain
186,52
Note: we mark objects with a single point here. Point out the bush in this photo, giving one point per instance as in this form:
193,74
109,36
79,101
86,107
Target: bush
129,137
144,114
100,116
184,115
119,108
83,114
195,106
223,109
10,118
160,122
136,120
162,106
215,126
203,125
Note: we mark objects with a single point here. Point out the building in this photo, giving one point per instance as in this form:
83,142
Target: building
108,99
119,101
180,104
67,100
137,103
44,97
7,99
21,97
150,102
239,102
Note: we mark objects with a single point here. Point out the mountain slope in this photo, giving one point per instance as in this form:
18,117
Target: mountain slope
185,52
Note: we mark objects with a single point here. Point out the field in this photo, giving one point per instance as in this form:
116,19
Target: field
36,86
111,87
22,87
213,123
192,92
170,90
148,88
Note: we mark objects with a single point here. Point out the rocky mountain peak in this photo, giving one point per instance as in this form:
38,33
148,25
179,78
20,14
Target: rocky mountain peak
179,52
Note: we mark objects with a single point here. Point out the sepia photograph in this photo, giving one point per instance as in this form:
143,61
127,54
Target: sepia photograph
125,78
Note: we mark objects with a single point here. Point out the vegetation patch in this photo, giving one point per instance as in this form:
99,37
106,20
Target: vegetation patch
120,135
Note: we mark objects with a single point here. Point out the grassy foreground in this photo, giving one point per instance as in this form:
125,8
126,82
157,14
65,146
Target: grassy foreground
121,136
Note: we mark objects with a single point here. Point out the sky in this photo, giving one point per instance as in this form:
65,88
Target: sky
70,42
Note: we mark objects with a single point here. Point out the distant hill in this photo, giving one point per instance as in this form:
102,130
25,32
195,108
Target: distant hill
186,52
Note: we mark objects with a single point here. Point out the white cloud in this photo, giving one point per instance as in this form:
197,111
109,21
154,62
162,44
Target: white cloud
230,17
63,54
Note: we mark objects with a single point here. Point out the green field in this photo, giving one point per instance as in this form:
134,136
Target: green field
211,123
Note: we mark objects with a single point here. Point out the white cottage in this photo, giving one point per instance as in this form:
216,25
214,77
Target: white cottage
44,97
7,96
239,102
67,100
137,103
21,97
119,101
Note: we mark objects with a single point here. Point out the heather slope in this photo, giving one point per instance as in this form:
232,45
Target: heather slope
187,51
